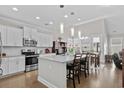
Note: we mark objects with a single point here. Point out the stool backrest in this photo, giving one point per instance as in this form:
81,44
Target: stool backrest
77,58
86,58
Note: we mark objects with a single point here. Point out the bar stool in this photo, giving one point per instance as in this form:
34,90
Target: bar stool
84,65
95,59
74,69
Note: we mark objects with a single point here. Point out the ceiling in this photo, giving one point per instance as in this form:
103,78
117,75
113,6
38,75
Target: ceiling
54,13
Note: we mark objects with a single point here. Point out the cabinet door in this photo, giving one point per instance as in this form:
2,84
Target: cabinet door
51,41
5,66
34,34
13,65
14,36
27,32
21,64
40,38
3,30
11,36
19,36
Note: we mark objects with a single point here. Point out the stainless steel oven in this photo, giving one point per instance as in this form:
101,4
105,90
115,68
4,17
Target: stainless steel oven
31,60
31,63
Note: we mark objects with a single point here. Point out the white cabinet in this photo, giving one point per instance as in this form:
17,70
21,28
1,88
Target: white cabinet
21,64
39,39
12,65
11,36
3,30
16,64
19,37
27,32
51,41
44,40
14,36
34,34
5,66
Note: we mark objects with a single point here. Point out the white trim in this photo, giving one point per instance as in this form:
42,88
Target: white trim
45,82
92,20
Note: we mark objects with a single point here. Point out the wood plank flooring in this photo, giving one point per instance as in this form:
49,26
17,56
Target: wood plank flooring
106,77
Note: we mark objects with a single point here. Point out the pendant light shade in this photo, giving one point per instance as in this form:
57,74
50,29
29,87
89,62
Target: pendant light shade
61,28
72,32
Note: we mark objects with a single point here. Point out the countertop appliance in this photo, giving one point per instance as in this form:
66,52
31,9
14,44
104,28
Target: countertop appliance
1,70
31,60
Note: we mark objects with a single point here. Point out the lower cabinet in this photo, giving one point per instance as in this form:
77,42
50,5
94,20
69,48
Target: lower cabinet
12,65
5,66
21,64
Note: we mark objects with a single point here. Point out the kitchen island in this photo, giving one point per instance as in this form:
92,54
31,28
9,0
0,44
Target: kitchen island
52,70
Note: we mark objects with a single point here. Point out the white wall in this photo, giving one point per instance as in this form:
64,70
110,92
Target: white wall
115,23
96,28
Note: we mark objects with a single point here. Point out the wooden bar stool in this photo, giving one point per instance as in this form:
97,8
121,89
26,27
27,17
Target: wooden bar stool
74,69
85,63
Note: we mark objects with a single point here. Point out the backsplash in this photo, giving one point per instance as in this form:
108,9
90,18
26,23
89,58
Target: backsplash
12,51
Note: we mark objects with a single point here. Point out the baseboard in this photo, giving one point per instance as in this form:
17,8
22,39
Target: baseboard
48,84
10,75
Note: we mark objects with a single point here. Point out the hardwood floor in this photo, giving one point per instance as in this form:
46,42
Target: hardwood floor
106,77
23,80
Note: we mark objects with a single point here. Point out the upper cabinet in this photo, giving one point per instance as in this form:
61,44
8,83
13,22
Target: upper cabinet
27,32
11,36
14,36
43,40
3,36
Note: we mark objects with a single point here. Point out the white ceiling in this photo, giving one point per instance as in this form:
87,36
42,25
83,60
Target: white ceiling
55,14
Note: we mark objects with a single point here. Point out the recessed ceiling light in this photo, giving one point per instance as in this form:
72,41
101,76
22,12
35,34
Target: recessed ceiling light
46,24
72,13
79,19
51,23
15,9
37,17
66,16
61,6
